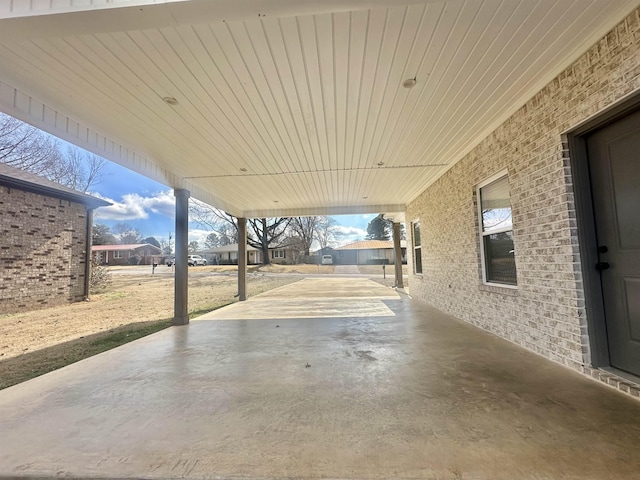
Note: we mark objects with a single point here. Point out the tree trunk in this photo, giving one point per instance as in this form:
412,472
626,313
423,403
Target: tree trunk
264,242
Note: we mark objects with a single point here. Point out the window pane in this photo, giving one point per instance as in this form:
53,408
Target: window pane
417,260
416,234
496,205
499,258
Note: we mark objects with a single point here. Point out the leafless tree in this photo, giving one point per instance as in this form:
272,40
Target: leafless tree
127,235
261,232
325,231
82,169
25,147
306,228
221,223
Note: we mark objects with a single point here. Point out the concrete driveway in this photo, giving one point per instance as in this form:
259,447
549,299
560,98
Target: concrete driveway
323,378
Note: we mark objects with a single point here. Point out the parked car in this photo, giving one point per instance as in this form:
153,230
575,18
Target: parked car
195,260
327,260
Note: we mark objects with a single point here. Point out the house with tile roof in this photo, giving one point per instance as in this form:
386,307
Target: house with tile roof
369,252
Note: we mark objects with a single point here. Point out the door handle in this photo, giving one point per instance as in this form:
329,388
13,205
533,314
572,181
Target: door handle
600,266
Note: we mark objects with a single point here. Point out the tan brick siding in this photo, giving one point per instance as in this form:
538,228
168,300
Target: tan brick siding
546,313
42,250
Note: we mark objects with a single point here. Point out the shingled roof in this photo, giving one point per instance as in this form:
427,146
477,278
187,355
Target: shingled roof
15,178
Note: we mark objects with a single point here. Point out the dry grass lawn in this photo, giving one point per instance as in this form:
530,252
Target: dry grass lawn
134,305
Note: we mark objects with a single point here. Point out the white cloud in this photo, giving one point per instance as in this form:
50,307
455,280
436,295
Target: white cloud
344,235
198,235
135,207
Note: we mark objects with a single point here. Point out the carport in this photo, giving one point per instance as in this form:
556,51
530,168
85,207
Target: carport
322,378
285,108
433,113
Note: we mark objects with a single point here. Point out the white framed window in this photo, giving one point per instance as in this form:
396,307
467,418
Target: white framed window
496,232
278,254
117,254
417,247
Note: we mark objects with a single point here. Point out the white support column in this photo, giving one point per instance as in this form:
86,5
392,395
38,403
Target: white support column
398,255
181,296
242,259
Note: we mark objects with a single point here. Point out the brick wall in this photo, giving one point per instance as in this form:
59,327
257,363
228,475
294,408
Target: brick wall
546,313
42,250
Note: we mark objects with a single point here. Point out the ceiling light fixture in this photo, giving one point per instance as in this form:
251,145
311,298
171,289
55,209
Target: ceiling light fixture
243,169
275,201
170,101
365,198
409,83
380,164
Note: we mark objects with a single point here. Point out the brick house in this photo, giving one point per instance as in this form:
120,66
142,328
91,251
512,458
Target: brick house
289,252
45,232
132,254
228,255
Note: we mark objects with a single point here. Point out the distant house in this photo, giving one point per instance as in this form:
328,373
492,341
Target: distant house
316,256
133,254
290,252
369,252
228,255
45,241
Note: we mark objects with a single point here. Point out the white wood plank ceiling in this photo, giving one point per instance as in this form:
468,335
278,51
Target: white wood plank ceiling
287,107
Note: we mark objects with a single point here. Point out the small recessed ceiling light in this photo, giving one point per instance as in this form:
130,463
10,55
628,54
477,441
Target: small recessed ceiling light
380,164
365,198
170,101
408,83
243,169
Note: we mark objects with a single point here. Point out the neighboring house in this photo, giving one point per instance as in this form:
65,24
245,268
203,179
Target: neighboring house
45,241
228,255
316,256
289,252
133,254
369,252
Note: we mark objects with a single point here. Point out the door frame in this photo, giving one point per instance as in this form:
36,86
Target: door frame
585,218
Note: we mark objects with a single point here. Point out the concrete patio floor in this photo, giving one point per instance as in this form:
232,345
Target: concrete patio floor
323,378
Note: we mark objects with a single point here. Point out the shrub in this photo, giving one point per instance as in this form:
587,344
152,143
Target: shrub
100,277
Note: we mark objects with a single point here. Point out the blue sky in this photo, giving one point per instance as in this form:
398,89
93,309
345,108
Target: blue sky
149,207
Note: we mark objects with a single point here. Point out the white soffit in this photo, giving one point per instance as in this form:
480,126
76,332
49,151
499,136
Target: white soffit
287,107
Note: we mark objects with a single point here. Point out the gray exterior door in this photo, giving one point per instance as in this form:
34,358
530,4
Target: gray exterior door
614,163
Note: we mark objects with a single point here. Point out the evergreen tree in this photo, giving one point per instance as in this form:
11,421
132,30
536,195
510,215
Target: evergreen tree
378,229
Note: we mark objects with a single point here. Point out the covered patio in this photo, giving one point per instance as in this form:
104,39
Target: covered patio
437,114
323,378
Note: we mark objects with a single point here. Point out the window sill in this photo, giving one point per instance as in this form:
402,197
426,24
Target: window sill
509,290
